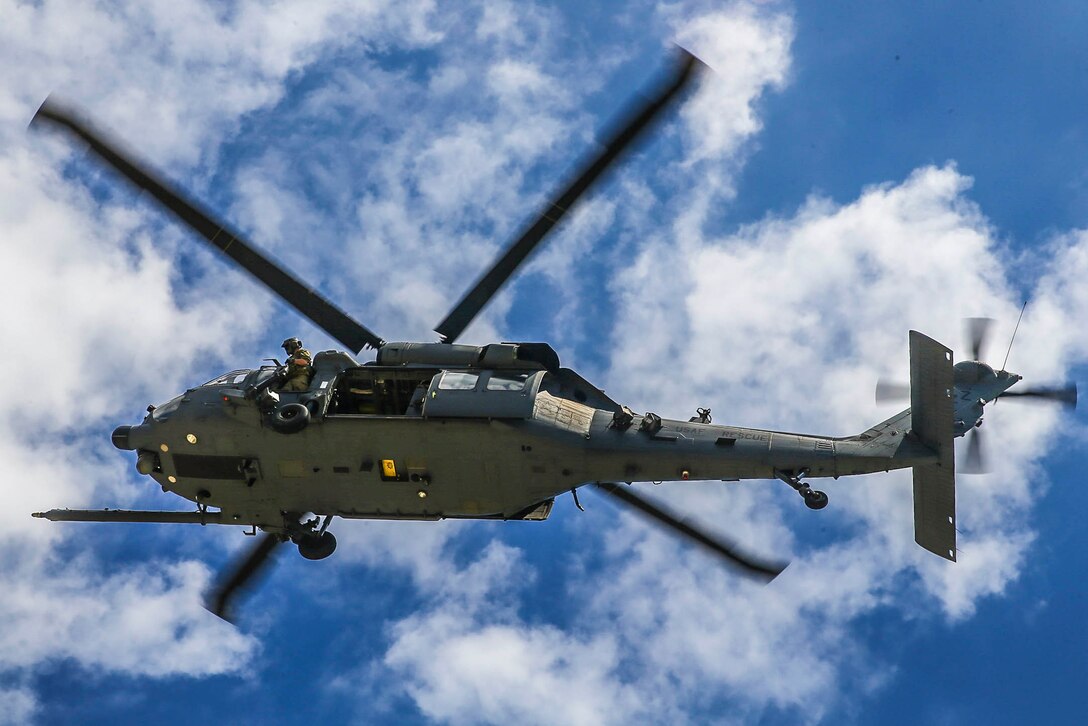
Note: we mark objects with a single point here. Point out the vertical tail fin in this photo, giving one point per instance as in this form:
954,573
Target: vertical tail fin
931,385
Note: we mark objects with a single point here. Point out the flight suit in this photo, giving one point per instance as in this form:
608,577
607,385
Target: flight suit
299,371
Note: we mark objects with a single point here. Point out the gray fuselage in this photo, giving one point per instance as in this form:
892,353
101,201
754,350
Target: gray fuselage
416,442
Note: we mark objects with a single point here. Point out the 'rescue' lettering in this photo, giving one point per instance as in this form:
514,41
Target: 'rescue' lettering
747,435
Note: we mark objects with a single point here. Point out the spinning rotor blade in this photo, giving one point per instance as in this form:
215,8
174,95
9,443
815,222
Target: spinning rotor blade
1066,395
765,569
304,299
891,391
978,330
975,460
638,117
219,598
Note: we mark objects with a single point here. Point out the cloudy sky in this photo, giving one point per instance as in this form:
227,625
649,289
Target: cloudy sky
849,171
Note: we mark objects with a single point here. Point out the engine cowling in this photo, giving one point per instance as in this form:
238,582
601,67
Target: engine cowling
520,356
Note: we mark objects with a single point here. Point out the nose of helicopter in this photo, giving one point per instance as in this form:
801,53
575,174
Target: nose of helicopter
121,438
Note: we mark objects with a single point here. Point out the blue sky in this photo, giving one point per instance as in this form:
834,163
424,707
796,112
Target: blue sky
849,172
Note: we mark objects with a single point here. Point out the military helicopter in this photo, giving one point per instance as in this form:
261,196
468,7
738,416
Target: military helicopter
433,430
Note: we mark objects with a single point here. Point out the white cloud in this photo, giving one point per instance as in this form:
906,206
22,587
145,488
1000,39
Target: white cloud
147,620
748,50
176,77
17,705
469,659
464,673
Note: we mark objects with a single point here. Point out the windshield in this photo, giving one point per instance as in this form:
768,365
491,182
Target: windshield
161,412
229,379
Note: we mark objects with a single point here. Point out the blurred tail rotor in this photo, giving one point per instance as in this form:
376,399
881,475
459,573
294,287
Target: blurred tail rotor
891,391
974,462
1065,395
977,331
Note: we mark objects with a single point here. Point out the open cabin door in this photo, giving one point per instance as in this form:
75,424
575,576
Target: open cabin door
380,391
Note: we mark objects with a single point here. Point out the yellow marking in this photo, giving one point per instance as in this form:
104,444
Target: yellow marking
292,468
389,468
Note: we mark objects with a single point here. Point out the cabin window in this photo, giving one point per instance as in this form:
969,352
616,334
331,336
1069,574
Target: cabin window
452,381
507,381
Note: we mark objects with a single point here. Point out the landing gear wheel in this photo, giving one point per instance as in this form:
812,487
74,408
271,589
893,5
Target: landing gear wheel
815,499
317,547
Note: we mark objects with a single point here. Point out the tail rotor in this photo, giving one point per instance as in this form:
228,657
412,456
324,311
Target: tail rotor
977,331
974,460
977,384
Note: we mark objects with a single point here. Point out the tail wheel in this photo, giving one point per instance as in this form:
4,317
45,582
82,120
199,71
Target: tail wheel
317,547
289,418
815,499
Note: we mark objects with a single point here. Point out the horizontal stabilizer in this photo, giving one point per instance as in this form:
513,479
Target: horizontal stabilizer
935,509
931,386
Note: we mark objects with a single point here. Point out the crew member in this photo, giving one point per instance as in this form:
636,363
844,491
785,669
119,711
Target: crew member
299,368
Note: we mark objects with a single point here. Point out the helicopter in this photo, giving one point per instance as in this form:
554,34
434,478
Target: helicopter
441,430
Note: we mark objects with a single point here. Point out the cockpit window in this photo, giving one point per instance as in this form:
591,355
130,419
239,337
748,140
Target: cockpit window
507,381
264,374
228,379
163,411
452,381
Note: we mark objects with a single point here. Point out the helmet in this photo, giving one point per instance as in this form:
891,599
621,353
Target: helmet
291,344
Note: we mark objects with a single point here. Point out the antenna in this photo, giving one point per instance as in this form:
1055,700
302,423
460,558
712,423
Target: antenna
1014,334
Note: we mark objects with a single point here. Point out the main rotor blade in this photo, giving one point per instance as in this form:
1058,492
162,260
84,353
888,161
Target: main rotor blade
978,330
765,569
891,391
219,598
1066,395
304,299
637,118
975,460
